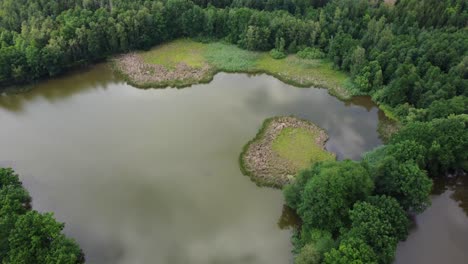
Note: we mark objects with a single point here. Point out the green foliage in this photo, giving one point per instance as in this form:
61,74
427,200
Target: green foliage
293,191
358,60
387,209
230,58
404,181
397,172
308,255
277,54
411,58
299,147
440,109
445,141
393,53
407,151
341,48
376,224
222,56
27,236
380,222
432,13
171,54
256,38
318,242
330,192
37,238
351,251
9,178
311,53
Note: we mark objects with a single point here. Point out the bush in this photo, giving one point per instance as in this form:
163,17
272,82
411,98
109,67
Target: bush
311,53
312,244
309,255
351,250
277,54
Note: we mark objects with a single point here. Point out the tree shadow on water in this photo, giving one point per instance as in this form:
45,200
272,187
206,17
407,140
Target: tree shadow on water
457,183
58,88
289,219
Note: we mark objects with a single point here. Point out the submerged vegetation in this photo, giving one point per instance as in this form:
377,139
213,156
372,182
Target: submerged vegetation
184,62
282,147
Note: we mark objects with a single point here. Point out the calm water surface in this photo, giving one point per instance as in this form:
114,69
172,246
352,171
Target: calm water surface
440,234
151,176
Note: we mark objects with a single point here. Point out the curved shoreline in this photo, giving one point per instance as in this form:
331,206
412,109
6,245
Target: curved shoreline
133,68
262,164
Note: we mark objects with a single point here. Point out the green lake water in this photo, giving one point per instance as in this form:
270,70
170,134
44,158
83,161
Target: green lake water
152,176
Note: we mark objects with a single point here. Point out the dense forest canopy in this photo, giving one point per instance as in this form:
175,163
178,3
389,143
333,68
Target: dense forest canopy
406,56
411,56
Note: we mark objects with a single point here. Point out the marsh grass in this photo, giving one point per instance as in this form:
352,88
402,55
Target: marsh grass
223,57
175,52
230,58
298,146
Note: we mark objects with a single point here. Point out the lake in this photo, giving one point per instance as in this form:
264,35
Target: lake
152,176
440,234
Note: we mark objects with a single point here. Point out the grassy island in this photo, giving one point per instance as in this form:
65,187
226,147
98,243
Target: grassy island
282,147
185,62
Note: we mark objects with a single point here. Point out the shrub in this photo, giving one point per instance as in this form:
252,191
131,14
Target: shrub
351,250
311,53
277,54
309,255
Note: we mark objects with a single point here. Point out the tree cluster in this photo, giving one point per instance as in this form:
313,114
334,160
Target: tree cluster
27,236
365,206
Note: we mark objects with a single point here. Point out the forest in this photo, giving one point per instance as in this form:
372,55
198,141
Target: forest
411,57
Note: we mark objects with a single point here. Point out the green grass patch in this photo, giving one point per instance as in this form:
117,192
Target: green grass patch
297,68
298,146
230,58
175,52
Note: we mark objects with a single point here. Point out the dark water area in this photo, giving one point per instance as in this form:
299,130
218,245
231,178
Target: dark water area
152,176
440,234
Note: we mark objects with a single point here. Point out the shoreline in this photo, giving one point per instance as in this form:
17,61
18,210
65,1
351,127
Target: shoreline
136,71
